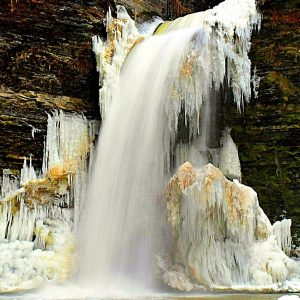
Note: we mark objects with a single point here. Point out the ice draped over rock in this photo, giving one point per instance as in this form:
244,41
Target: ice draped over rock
39,209
122,36
222,238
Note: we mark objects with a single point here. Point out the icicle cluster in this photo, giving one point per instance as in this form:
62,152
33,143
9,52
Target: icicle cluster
282,231
28,172
36,220
228,27
122,36
8,183
68,153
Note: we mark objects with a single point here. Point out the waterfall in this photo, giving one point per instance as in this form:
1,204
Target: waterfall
173,75
161,100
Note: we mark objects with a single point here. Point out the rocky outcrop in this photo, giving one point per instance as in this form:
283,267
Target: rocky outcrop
267,132
239,248
166,8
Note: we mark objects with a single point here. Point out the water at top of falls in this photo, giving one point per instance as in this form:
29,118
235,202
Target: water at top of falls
123,224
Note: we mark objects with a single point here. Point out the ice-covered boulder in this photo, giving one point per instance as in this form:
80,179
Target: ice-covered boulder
222,238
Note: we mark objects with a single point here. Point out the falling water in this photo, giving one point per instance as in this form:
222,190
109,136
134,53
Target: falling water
165,76
126,190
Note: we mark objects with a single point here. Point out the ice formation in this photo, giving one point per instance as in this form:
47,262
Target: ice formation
282,231
122,36
28,172
230,34
38,210
34,130
255,82
289,297
222,238
8,183
226,157
229,162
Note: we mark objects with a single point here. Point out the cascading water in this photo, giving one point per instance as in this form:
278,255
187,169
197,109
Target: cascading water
174,73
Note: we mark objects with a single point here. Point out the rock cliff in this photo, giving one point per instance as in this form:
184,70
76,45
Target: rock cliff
46,63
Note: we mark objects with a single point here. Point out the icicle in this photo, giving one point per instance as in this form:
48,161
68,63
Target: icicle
282,232
255,82
28,173
229,157
34,130
9,183
122,35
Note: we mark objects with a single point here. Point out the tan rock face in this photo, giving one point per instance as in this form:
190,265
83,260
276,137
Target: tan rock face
186,176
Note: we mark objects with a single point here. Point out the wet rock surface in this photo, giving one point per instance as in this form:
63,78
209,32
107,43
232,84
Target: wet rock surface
166,8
